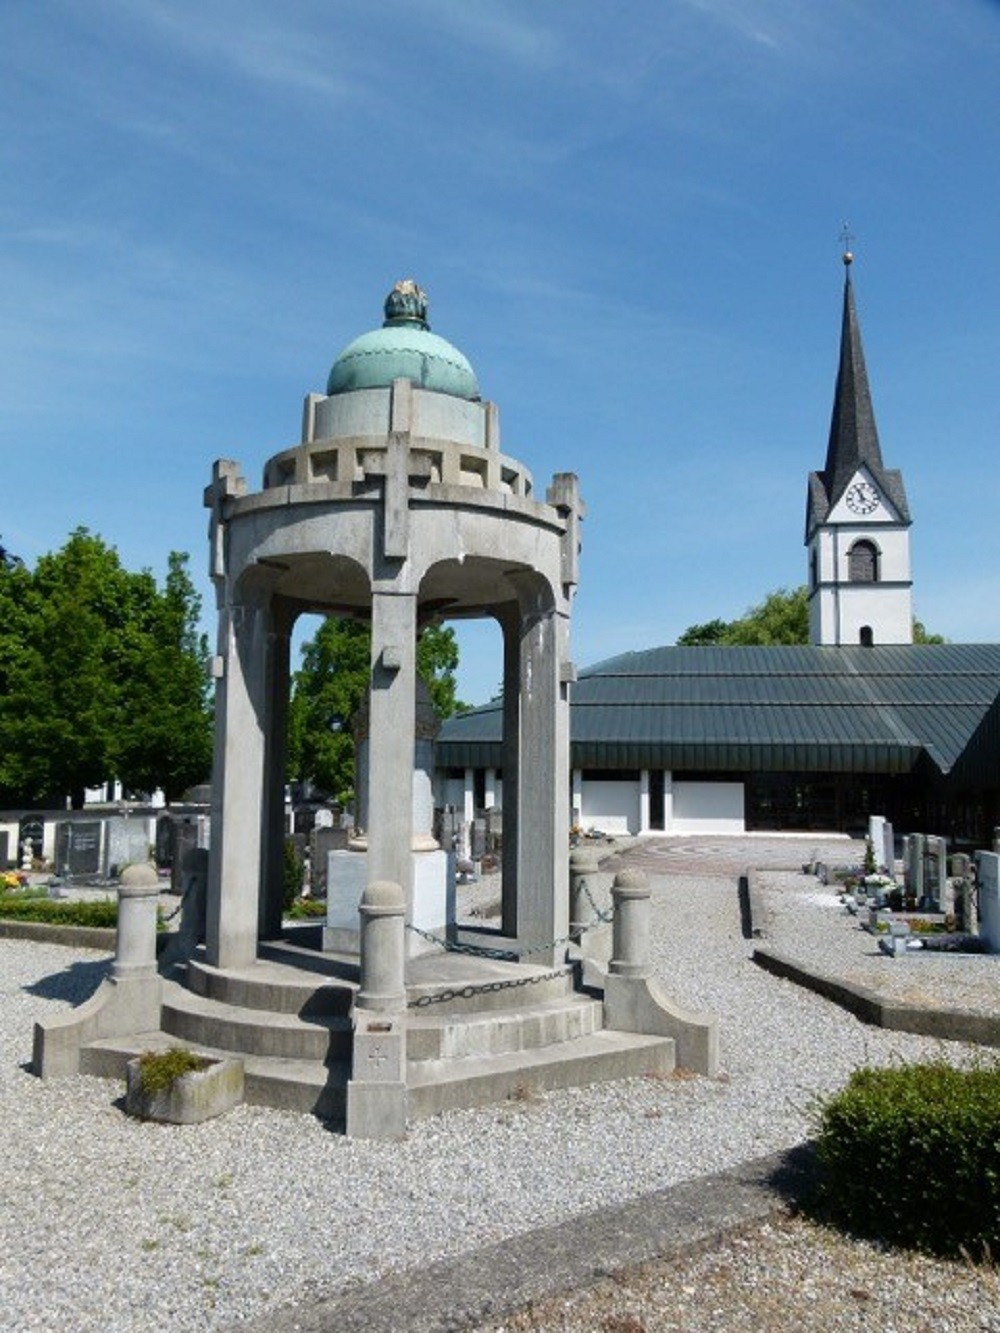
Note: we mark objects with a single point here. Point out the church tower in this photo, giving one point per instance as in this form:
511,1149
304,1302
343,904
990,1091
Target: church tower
857,518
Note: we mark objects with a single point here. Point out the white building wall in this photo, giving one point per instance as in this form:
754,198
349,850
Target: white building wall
612,807
708,807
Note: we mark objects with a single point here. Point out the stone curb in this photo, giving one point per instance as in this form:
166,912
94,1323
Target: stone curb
570,1255
44,932
872,1007
867,1004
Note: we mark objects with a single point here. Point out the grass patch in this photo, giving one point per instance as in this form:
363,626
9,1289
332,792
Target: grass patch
160,1070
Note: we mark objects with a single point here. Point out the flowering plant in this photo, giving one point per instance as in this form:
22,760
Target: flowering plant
12,880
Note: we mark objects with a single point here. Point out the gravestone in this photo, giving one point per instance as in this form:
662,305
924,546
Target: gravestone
79,844
4,849
989,898
935,871
477,841
126,844
164,841
876,839
188,833
913,865
324,839
888,848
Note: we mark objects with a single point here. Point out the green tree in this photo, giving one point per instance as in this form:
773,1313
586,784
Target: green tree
920,635
102,676
331,685
164,734
782,617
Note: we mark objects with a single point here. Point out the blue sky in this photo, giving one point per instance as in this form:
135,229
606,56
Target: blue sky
627,216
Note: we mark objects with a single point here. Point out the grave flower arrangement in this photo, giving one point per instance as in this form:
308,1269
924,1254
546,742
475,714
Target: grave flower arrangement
879,883
12,880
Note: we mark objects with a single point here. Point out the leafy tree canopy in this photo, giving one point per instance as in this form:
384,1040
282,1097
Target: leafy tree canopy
101,675
782,617
330,686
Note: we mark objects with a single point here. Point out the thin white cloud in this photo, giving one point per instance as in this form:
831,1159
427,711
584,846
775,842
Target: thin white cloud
496,28
258,42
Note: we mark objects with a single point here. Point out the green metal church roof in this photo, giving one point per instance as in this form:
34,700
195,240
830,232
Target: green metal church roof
793,709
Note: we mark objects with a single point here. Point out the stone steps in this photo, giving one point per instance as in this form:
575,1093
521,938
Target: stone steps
272,988
446,1085
203,1021
478,1031
444,1036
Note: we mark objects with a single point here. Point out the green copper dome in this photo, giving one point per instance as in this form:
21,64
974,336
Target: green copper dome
403,349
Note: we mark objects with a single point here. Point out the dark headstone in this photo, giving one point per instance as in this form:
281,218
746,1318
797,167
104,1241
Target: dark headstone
4,849
189,832
78,847
165,841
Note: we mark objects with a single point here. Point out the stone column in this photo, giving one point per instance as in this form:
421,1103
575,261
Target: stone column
543,795
238,785
630,943
390,739
644,801
277,667
469,796
510,623
491,789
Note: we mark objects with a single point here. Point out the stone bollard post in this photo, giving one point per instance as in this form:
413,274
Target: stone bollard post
128,1001
581,914
376,1093
383,952
630,939
135,951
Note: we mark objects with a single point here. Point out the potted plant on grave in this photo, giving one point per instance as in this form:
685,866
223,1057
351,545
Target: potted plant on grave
180,1086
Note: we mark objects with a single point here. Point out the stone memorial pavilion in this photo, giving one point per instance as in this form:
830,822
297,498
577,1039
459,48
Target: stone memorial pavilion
398,508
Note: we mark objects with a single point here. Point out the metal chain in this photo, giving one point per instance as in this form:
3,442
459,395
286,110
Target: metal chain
184,898
601,918
487,988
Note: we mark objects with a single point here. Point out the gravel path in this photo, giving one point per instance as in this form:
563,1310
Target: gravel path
108,1223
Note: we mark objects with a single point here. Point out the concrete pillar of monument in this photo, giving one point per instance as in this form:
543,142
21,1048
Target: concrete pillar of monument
272,880
238,785
510,623
543,786
392,705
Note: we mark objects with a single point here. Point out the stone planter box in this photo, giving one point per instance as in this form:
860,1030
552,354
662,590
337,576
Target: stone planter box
197,1095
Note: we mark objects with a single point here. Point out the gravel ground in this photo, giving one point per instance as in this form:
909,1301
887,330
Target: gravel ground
108,1223
781,1275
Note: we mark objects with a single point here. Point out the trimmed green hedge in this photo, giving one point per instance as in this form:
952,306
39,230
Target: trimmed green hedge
59,911
911,1156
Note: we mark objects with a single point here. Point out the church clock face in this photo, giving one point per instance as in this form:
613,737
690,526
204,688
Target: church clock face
862,497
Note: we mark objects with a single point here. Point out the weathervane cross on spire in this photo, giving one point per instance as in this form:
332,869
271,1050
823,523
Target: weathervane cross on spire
846,237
